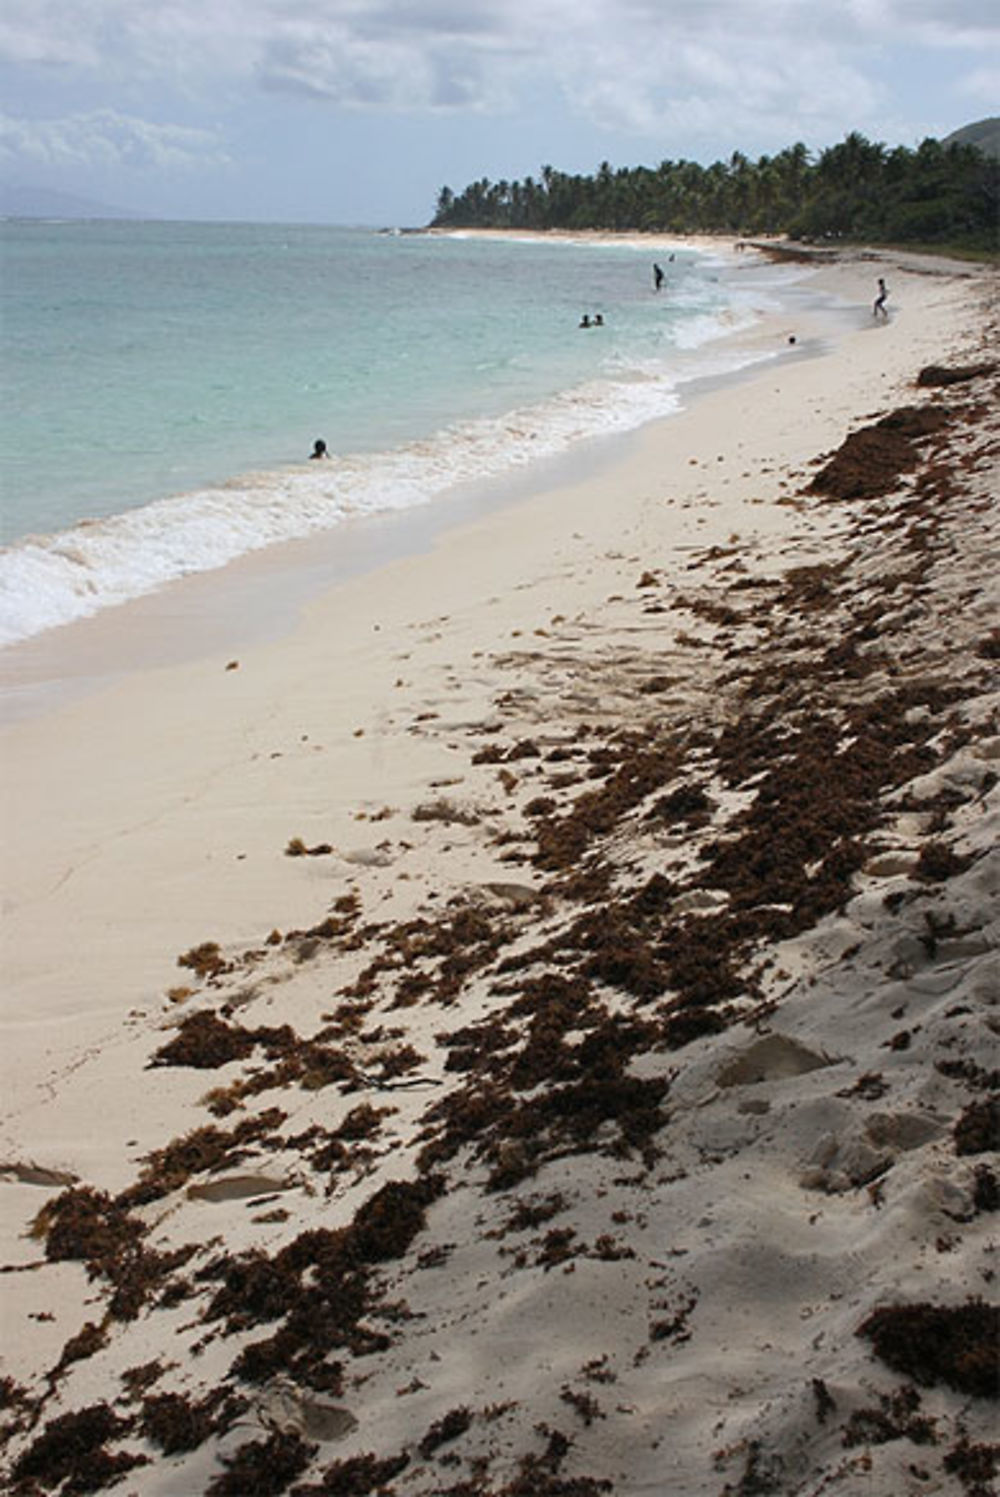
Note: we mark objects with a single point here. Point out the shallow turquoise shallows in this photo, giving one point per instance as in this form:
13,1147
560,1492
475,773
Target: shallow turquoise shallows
164,383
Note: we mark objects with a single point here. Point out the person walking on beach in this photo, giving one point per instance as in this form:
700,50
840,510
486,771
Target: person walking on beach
878,310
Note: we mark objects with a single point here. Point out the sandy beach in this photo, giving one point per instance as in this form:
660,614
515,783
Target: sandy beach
524,1024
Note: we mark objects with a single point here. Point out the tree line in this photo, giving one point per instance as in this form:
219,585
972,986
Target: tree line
939,193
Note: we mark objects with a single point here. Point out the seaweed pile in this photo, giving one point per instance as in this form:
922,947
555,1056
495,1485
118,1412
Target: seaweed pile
718,844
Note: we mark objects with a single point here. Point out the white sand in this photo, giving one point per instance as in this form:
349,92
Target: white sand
152,815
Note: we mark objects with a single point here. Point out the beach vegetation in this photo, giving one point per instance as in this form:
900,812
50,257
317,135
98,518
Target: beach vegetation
136,1380
446,811
936,376
978,1129
296,848
204,1150
584,1404
13,1396
84,1223
938,862
88,1226
448,1428
320,1286
358,1476
895,1418
175,1423
986,1190
951,1344
72,1449
263,1468
205,1041
702,834
871,460
205,960
974,1465
89,1340
940,194
977,1078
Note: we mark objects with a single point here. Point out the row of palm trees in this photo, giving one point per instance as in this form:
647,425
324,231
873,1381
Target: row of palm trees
858,189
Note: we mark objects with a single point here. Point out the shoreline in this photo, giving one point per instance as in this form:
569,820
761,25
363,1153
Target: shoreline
210,611
96,562
177,622
143,724
479,751
780,246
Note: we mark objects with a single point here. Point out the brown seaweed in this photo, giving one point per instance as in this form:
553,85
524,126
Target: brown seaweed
175,1423
873,459
263,1468
978,1129
359,1476
955,1345
71,1450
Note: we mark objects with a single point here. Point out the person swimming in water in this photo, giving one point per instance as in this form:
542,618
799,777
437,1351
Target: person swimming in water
319,448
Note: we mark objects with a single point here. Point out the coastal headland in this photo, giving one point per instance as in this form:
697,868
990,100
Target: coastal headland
528,1028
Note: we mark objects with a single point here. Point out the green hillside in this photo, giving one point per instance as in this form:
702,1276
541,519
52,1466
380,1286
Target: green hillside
984,135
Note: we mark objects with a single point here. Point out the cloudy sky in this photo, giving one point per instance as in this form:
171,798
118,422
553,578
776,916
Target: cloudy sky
358,111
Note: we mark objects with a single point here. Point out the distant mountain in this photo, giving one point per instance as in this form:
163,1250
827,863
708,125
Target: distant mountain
43,202
984,135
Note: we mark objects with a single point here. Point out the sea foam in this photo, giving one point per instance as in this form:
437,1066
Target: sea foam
55,579
51,580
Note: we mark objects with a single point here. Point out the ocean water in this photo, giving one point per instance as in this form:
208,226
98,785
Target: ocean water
163,383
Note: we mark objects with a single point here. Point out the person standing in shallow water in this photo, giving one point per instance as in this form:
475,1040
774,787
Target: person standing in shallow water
878,310
657,277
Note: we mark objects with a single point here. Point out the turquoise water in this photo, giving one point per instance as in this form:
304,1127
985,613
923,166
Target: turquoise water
163,383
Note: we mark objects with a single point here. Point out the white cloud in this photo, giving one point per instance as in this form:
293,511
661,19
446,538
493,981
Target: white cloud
240,36
760,85
621,64
769,69
385,73
984,84
947,23
26,42
106,138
